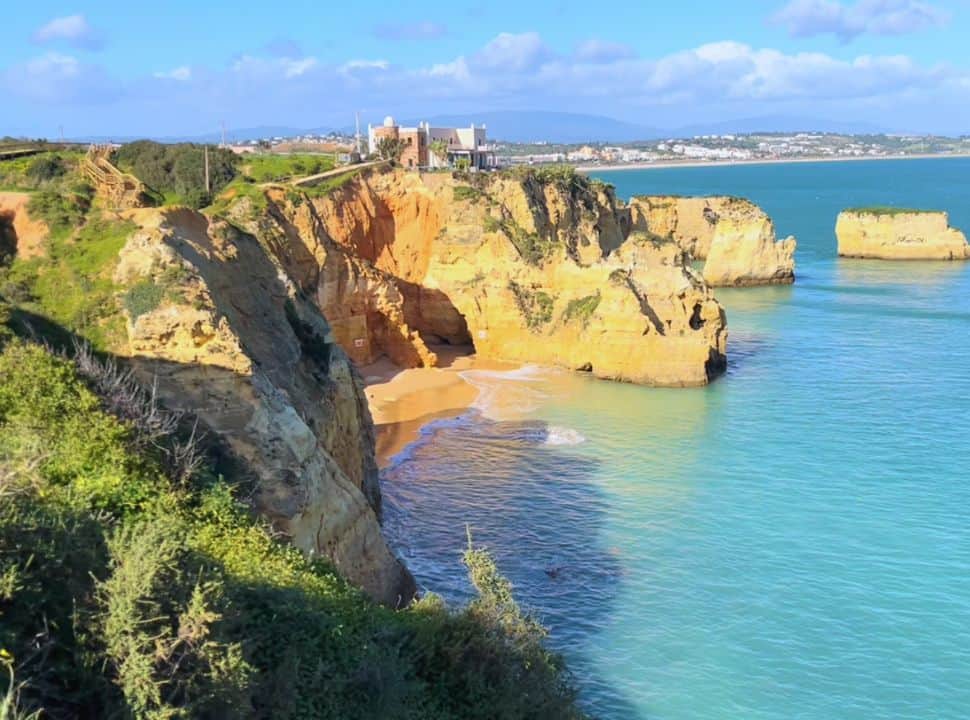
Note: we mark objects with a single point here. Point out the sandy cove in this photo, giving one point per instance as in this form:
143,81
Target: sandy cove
402,401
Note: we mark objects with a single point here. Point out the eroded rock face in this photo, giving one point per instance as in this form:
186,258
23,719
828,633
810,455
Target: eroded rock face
234,340
744,251
899,235
734,236
23,233
689,221
530,271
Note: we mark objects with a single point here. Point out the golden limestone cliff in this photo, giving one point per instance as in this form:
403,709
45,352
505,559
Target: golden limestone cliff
891,234
744,251
217,325
690,221
525,267
735,237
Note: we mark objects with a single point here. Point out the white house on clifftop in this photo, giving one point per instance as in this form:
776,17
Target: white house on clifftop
456,145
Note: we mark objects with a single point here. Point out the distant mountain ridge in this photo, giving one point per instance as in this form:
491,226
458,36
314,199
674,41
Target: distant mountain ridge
525,126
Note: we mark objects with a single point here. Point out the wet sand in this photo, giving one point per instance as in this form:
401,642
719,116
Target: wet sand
402,401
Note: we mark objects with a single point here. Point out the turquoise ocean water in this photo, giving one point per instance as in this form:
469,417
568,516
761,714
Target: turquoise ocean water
792,541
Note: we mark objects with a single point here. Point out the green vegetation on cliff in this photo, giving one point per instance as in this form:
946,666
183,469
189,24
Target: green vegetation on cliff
581,309
178,171
281,168
889,210
34,172
534,304
135,582
71,285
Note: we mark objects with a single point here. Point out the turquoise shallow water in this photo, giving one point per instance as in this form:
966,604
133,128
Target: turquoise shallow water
790,542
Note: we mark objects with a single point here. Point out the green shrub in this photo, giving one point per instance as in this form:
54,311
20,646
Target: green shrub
142,298
48,170
46,167
532,247
492,224
887,210
177,171
581,309
467,193
62,209
535,305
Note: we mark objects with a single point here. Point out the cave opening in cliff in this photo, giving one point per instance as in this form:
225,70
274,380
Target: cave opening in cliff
696,319
431,313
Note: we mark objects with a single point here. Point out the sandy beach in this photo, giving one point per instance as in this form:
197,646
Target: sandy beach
402,401
771,161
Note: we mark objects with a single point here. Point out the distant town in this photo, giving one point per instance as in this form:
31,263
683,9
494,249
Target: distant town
701,148
428,148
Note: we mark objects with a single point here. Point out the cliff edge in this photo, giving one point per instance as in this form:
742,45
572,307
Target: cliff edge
895,234
215,324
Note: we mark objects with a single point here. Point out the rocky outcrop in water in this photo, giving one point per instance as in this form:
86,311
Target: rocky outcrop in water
735,237
891,234
525,267
217,325
744,251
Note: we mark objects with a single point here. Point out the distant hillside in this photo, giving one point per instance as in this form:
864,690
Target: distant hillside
558,127
542,125
779,123
232,135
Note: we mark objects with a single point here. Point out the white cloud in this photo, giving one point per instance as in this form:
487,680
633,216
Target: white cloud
181,73
508,52
52,65
59,79
295,68
252,66
601,51
508,73
455,70
715,72
807,18
353,65
72,29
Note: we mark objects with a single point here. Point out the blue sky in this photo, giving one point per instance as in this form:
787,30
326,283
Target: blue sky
179,67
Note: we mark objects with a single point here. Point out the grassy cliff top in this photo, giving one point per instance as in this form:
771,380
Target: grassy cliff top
35,172
890,210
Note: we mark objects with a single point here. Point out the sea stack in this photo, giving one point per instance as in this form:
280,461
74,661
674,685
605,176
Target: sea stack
899,234
734,236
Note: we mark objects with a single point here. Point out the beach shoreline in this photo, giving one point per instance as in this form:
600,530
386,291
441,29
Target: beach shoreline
667,164
404,400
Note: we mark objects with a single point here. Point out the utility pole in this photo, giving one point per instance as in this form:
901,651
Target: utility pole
207,190
223,124
357,136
